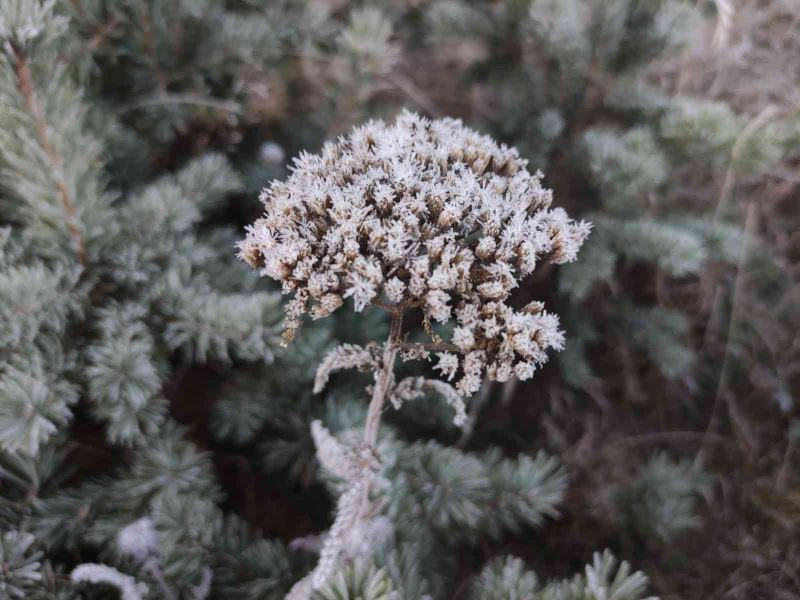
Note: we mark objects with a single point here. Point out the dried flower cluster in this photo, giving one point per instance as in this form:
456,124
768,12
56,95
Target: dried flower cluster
426,214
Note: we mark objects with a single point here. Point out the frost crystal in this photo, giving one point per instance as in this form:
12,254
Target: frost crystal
346,356
448,364
420,214
412,388
330,452
96,573
138,540
358,467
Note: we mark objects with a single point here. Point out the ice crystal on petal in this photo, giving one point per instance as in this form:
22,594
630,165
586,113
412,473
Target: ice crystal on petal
447,365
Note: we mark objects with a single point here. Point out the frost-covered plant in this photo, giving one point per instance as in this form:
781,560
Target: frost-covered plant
139,541
418,214
604,579
20,564
361,581
128,588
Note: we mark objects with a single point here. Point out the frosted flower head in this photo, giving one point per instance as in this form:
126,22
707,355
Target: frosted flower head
420,214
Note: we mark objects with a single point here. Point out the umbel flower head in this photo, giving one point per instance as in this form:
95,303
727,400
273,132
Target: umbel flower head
424,214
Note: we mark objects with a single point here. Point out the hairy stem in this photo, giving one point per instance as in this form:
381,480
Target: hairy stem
383,381
430,346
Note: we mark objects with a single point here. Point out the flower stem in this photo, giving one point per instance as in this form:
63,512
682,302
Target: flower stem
383,379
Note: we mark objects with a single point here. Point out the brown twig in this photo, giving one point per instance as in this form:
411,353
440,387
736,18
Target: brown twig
166,98
416,95
738,289
748,131
430,346
677,437
150,49
474,411
98,38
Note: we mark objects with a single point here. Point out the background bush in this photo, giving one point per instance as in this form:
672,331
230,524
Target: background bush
140,374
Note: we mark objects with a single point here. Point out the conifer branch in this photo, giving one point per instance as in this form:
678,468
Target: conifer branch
165,98
28,91
101,34
150,49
